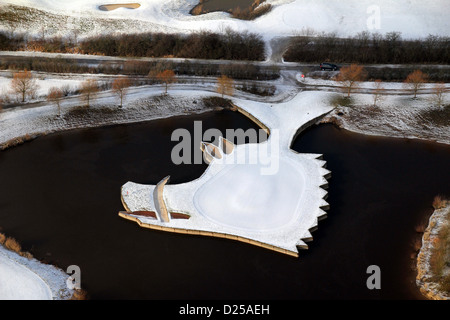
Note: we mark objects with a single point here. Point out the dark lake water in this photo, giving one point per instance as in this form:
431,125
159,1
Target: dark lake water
60,195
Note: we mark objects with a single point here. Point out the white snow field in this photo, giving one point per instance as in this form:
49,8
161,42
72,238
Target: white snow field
413,18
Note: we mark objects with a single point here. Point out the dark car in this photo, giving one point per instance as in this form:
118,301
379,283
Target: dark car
328,66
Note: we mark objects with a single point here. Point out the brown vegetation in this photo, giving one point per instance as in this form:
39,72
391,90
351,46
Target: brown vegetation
55,95
250,13
79,294
215,102
258,89
239,9
167,77
440,258
225,85
439,202
367,48
438,94
350,76
110,7
16,141
378,92
12,244
89,88
120,86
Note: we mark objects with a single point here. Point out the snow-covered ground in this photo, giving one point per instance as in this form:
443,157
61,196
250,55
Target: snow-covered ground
396,116
43,84
413,18
389,87
28,279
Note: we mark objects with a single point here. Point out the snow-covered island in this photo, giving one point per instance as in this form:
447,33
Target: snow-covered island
273,201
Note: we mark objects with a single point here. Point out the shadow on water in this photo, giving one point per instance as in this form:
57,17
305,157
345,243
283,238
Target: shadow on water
60,195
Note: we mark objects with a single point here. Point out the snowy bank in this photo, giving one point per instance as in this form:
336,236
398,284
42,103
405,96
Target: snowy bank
28,279
425,276
413,18
141,104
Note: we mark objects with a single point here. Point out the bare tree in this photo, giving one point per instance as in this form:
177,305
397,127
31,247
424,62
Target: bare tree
89,89
415,81
438,97
225,85
23,84
350,76
378,92
167,77
75,33
55,95
120,87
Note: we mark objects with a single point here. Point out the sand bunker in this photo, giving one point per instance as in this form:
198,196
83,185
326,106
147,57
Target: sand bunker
110,7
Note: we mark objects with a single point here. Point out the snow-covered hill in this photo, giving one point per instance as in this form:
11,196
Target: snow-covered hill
413,18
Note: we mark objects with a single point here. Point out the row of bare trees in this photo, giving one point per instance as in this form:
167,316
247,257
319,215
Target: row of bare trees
349,78
24,85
